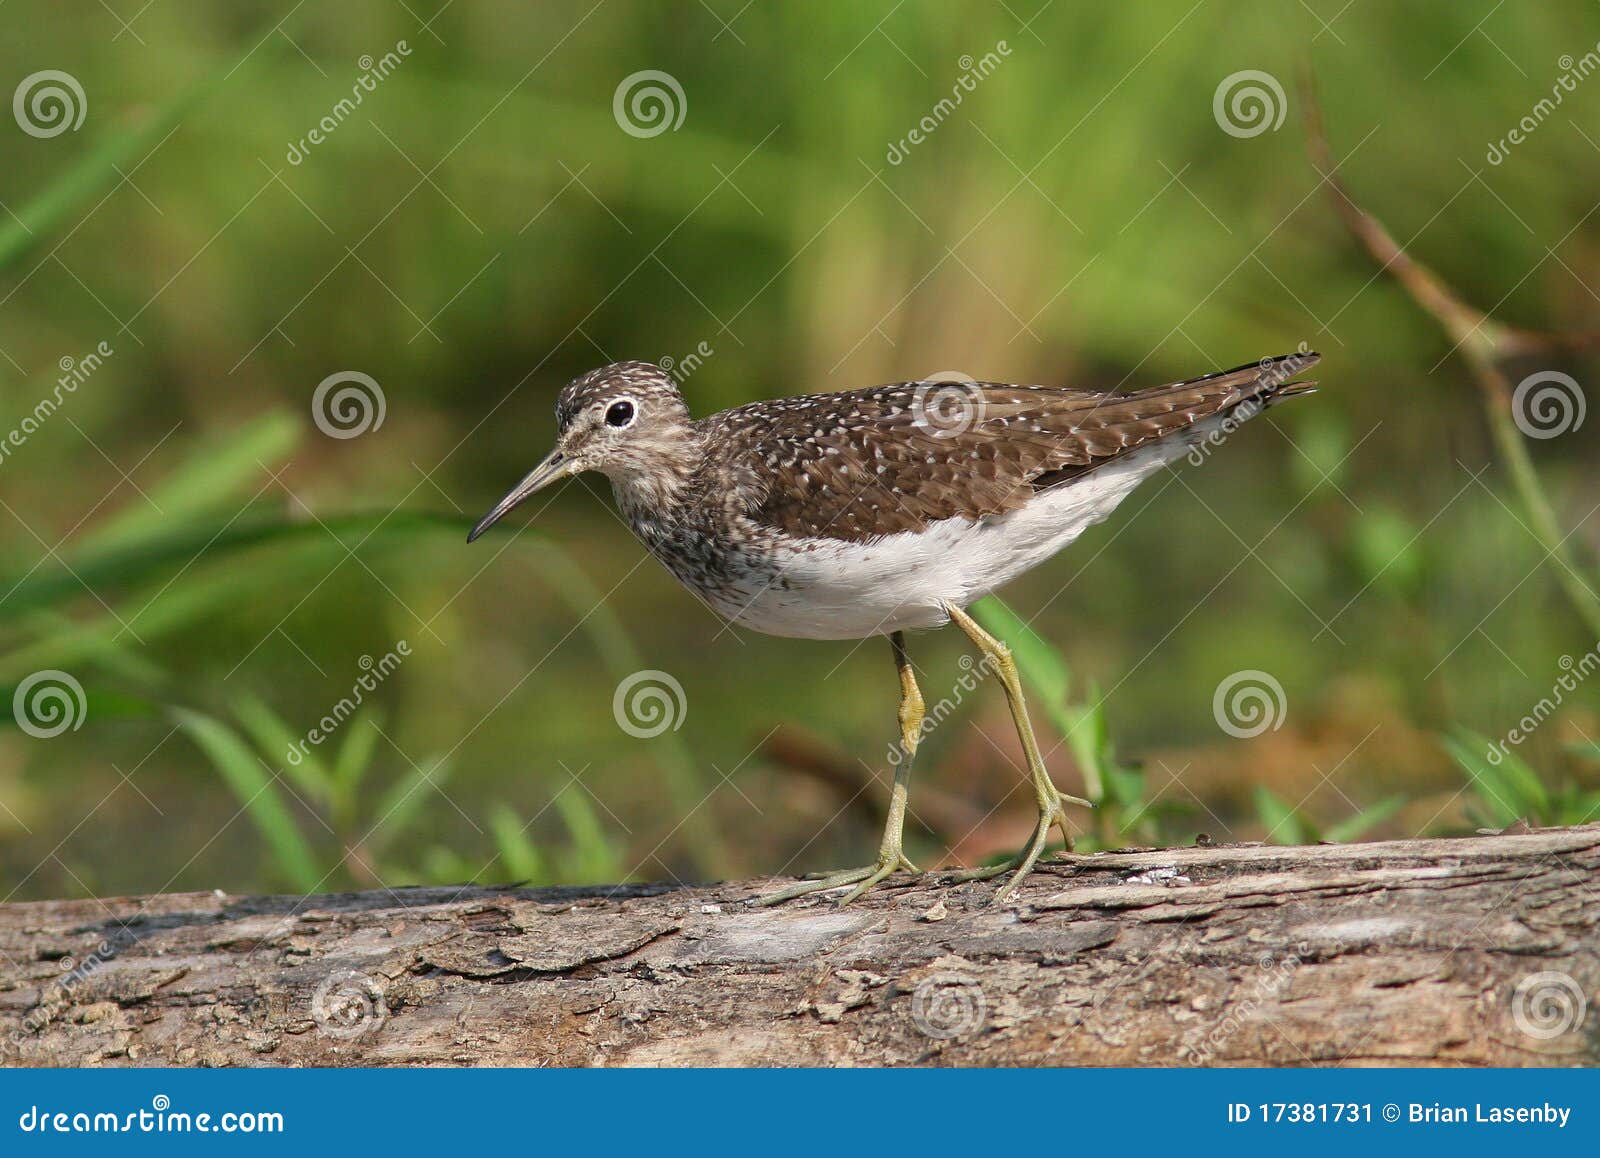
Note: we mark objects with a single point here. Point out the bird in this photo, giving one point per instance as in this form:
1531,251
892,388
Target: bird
887,510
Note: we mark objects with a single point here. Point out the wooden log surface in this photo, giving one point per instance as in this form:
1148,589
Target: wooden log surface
1471,951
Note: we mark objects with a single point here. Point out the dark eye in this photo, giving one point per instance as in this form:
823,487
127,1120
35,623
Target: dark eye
619,413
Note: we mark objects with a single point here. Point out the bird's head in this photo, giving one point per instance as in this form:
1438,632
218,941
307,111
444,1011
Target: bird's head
626,420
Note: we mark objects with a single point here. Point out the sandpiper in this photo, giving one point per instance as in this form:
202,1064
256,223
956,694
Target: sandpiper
880,511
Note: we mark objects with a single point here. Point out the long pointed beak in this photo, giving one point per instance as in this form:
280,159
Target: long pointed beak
554,467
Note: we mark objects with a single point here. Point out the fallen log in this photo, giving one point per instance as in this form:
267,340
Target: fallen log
1473,951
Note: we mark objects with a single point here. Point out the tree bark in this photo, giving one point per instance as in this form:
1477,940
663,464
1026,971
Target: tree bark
1473,951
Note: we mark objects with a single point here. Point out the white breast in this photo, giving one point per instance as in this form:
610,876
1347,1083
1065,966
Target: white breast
828,589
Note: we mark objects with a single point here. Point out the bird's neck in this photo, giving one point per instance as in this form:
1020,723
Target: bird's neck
657,490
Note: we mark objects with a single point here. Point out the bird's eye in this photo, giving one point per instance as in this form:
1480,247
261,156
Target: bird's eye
619,413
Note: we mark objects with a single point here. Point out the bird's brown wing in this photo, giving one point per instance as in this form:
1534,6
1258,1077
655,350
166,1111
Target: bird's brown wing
863,463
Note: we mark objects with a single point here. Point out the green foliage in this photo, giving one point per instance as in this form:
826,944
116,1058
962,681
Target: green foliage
37,220
300,804
1503,788
1122,814
171,581
1285,824
520,858
1387,552
181,506
248,779
621,658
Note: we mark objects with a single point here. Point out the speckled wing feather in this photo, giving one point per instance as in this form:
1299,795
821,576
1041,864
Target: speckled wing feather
863,463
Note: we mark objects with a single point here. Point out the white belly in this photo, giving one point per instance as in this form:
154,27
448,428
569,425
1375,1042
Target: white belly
828,589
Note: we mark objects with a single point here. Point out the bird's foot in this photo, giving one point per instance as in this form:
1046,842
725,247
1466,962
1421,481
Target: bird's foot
1052,812
986,873
889,862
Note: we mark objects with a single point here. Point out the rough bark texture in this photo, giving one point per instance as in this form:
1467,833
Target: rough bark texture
1474,951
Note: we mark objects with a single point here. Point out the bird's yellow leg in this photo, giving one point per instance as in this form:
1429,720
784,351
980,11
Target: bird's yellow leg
1050,800
891,856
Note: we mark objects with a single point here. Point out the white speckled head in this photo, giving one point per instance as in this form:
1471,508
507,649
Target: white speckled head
626,420
622,420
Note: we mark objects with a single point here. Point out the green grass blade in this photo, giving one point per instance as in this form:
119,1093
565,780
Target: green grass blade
1045,672
242,771
275,739
400,807
99,706
35,222
355,756
141,559
519,856
1507,789
702,841
594,860
164,607
1368,818
122,657
210,474
1048,682
1088,737
1283,824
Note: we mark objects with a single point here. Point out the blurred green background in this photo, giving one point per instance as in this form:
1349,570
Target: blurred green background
184,542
